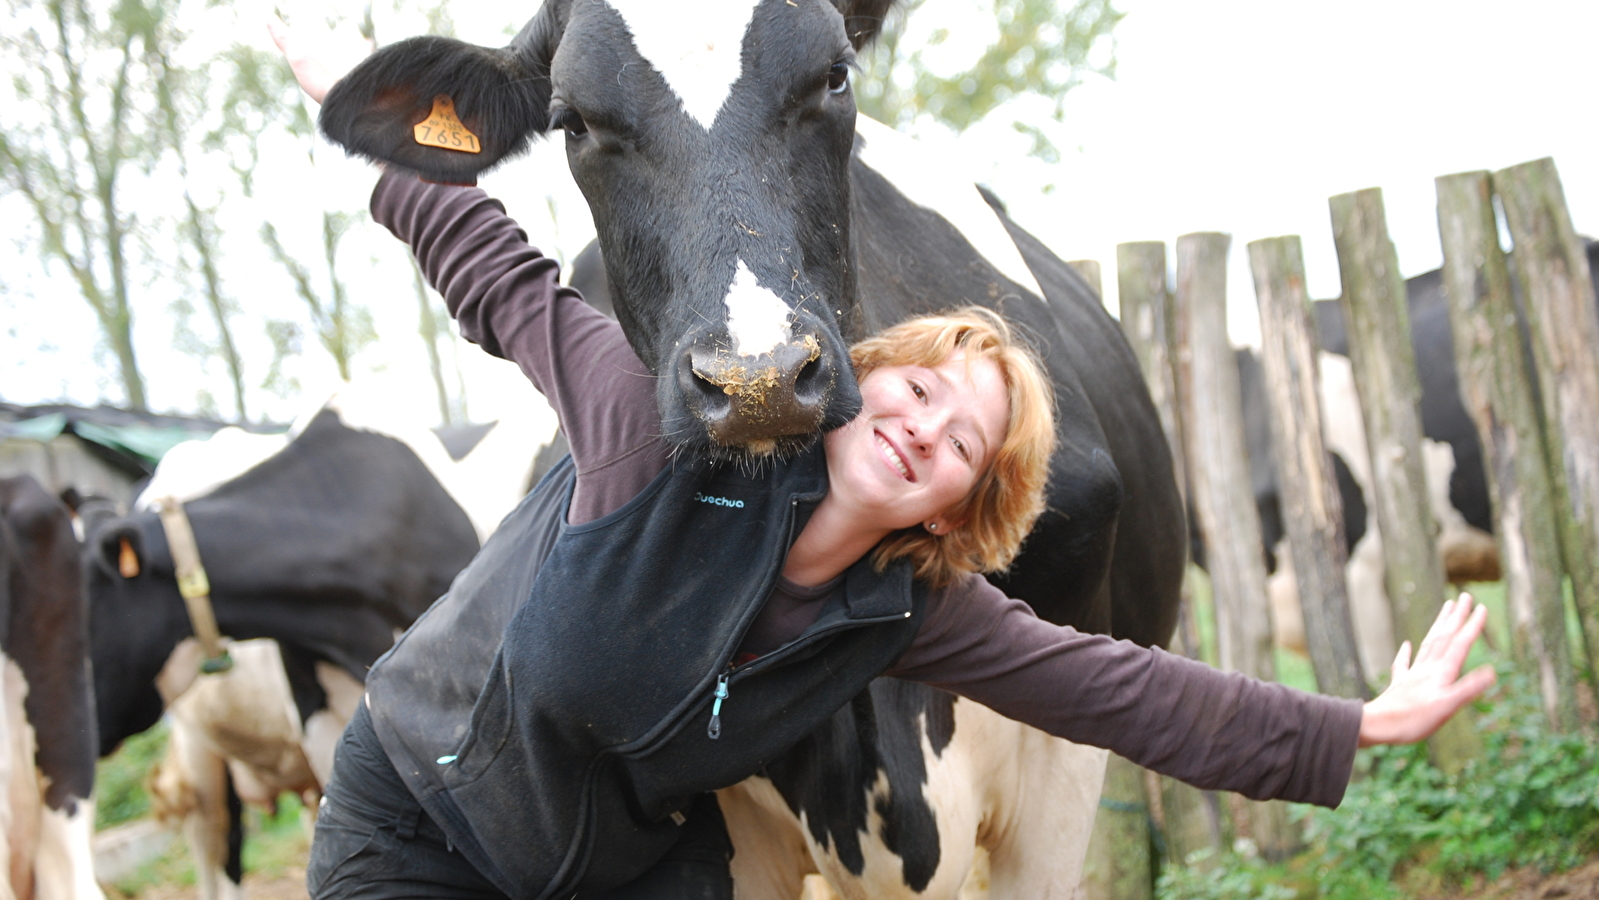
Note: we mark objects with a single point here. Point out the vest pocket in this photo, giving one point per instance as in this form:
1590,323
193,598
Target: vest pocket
486,731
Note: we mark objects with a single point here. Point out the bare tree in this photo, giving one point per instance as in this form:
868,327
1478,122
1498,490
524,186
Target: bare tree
81,121
1041,49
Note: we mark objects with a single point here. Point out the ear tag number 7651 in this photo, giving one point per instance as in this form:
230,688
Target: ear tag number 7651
442,129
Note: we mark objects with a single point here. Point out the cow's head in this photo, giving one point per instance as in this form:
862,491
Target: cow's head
136,617
713,143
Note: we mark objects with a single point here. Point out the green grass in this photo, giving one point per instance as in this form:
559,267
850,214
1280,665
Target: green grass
119,778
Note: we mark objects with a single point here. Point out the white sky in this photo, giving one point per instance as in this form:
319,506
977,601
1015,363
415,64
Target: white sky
1244,116
1241,116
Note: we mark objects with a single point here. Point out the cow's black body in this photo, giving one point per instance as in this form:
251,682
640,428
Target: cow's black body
773,187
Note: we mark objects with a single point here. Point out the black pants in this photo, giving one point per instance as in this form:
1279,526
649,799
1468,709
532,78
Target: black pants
375,842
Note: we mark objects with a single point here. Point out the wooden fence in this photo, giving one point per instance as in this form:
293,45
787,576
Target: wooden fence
1537,416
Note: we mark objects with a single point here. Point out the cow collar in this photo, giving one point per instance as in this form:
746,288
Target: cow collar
193,585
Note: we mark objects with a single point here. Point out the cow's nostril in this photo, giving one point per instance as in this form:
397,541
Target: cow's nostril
705,396
813,381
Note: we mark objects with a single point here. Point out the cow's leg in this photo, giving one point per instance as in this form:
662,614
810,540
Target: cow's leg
13,752
324,727
1368,603
64,869
770,860
1043,794
192,784
23,791
1287,616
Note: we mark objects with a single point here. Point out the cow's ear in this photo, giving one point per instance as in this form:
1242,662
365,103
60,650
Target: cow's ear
119,550
444,109
863,19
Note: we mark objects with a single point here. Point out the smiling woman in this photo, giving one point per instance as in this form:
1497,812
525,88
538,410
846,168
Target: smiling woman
652,626
955,434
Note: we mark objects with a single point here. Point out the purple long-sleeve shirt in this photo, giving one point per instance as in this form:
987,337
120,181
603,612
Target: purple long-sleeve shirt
1173,715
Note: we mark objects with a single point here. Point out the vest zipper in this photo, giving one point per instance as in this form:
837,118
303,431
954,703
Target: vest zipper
715,730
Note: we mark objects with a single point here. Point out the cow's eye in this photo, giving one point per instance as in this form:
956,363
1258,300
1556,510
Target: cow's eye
838,78
569,120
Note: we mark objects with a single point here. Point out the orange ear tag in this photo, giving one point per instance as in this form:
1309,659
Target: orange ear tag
127,561
442,129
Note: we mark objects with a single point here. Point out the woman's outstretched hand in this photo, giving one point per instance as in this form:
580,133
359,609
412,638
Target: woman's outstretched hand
1425,693
316,64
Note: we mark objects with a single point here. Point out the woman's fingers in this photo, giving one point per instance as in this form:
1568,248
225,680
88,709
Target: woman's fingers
1401,662
317,60
310,73
1449,632
1442,626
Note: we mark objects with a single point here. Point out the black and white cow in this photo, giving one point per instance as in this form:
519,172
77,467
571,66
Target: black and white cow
328,542
1457,480
47,736
753,226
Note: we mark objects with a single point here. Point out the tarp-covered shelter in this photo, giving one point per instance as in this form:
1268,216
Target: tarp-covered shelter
103,451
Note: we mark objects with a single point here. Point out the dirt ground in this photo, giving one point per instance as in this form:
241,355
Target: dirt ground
289,885
1581,883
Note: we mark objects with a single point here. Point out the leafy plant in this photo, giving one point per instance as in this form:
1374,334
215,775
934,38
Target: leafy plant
1407,828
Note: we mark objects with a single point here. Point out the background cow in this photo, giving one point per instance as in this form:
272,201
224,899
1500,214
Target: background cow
1456,479
47,733
751,223
328,542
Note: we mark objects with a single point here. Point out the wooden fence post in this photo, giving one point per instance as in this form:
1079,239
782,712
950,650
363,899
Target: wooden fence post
1220,488
1384,364
1218,467
1565,332
1312,509
1120,864
1189,818
1089,269
1497,389
1145,320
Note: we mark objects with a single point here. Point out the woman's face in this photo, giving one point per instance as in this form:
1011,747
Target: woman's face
922,439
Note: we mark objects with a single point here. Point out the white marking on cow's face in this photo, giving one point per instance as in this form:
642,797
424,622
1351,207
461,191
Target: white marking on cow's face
698,56
926,180
757,319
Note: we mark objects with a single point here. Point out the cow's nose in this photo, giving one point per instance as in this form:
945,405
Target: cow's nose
751,401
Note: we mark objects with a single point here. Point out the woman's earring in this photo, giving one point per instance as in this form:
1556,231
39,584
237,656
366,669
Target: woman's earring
933,527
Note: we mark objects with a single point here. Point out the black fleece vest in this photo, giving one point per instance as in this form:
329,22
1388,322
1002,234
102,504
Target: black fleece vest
554,709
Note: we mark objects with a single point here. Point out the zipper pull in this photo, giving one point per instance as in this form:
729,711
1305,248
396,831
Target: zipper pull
715,731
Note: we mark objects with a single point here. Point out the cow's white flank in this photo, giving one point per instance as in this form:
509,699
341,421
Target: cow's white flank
757,319
926,180
699,56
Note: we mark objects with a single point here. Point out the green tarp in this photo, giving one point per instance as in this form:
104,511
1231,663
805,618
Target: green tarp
145,444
